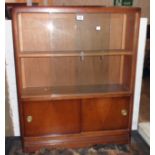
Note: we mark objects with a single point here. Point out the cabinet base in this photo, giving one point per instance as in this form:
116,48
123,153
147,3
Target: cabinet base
85,139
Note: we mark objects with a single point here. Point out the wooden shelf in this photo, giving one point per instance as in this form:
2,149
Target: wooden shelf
73,92
74,53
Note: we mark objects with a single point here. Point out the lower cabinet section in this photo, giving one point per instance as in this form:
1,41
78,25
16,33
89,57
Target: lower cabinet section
76,122
105,114
51,117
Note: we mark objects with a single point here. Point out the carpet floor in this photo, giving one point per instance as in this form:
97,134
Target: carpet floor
137,147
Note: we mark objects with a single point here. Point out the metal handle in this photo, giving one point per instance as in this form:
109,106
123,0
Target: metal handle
29,119
124,112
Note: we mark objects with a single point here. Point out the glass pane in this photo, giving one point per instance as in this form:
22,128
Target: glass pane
75,32
33,32
94,31
72,71
63,32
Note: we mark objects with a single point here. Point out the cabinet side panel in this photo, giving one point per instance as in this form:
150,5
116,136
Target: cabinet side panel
130,24
127,71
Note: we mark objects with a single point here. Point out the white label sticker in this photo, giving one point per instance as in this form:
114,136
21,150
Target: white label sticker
98,28
79,17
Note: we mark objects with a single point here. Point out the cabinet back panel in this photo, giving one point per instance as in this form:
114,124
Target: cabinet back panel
70,71
36,72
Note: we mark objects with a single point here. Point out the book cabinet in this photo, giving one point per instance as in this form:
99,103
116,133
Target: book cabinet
75,69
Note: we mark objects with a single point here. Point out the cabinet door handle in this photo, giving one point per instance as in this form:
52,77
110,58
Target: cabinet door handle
29,119
124,112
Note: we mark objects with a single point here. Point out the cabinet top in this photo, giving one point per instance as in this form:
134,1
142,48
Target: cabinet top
76,9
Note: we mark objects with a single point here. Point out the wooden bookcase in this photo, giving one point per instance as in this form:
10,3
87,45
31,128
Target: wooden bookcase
75,69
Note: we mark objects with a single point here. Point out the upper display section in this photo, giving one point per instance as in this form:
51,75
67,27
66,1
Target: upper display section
75,51
75,31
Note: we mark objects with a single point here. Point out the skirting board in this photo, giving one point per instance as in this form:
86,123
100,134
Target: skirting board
144,131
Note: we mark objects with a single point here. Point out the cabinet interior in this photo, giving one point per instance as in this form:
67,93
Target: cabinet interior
75,53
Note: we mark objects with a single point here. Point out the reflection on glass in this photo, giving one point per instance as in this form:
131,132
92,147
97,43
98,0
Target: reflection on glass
50,26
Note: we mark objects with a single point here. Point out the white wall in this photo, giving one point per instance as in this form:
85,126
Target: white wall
10,71
139,71
145,6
